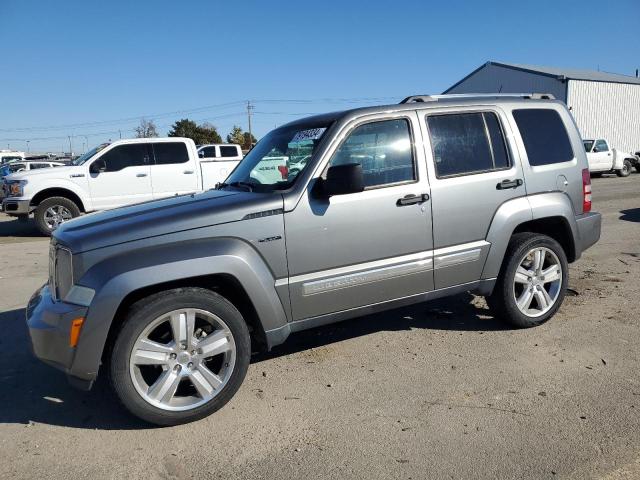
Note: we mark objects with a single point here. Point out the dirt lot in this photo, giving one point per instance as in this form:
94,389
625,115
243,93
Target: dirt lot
440,390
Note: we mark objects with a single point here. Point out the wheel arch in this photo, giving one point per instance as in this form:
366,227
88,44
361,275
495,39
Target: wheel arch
58,192
228,266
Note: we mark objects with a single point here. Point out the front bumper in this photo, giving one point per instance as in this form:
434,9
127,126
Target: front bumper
589,226
16,206
49,326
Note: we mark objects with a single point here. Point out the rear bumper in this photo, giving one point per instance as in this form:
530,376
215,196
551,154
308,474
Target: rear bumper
589,226
49,325
14,206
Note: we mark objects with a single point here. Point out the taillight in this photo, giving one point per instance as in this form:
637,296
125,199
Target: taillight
284,171
586,190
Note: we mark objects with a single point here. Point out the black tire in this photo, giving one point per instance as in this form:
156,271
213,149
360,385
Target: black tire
502,301
39,214
142,314
638,167
625,170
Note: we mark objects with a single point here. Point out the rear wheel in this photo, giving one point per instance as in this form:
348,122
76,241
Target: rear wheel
625,170
53,212
180,356
533,280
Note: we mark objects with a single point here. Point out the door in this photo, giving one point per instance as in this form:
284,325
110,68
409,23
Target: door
472,173
364,248
173,171
603,156
124,176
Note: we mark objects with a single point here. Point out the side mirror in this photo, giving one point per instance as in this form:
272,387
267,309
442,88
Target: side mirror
97,166
595,149
343,179
201,154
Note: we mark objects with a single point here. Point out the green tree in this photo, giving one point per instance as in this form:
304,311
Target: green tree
200,134
249,141
236,135
146,129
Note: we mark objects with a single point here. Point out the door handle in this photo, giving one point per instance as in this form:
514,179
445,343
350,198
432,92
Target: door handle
503,185
188,172
412,199
141,174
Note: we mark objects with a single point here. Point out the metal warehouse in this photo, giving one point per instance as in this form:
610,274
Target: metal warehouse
605,105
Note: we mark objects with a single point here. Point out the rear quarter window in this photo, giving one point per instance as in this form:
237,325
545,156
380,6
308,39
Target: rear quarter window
544,135
228,151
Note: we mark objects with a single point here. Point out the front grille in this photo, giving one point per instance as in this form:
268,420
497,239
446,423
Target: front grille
52,272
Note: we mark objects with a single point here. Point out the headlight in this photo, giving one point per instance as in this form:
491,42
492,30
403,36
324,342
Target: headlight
61,278
60,271
16,188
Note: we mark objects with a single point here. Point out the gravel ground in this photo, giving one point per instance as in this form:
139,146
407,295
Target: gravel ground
439,390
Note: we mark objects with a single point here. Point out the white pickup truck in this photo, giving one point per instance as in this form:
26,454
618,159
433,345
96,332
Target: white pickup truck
108,176
603,159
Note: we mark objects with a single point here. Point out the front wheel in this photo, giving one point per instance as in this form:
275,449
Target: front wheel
625,170
180,356
53,212
533,280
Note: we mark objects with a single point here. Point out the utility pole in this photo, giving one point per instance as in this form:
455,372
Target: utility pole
28,145
70,146
87,139
249,108
120,132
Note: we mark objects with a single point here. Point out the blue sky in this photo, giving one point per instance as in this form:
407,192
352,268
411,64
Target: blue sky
92,68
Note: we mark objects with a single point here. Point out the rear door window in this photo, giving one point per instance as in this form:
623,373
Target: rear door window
467,143
544,135
208,152
168,153
228,151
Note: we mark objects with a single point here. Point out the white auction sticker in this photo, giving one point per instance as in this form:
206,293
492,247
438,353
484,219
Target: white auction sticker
311,134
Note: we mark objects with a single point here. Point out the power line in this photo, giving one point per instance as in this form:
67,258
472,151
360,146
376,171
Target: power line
196,110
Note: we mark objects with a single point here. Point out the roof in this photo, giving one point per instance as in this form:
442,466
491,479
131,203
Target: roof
570,73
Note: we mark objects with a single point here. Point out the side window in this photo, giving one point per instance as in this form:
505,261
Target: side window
123,156
228,151
39,165
384,151
544,136
601,145
167,153
466,143
208,152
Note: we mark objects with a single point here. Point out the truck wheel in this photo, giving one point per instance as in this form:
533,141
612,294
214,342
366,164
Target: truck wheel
180,356
54,211
625,170
532,282
638,167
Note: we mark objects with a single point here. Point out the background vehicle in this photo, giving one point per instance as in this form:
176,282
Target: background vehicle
218,160
108,176
174,295
603,159
7,156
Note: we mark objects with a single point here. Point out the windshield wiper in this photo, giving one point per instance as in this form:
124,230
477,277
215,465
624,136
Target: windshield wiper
246,185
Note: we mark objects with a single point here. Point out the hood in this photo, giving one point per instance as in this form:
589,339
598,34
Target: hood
161,217
50,172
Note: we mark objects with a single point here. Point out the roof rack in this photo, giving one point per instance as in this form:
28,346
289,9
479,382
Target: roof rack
435,98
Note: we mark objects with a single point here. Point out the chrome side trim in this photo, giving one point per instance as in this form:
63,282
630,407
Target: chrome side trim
368,276
363,273
450,256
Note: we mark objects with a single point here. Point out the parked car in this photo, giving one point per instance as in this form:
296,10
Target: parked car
21,166
108,176
397,204
603,159
7,156
221,158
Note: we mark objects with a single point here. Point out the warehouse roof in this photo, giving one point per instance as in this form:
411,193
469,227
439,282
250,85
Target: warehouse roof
566,73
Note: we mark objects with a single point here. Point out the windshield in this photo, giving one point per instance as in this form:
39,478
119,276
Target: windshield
587,145
9,159
277,160
86,156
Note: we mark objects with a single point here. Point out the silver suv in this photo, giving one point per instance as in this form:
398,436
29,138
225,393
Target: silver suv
361,211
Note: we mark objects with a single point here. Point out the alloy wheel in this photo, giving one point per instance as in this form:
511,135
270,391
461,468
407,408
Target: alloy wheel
182,359
537,282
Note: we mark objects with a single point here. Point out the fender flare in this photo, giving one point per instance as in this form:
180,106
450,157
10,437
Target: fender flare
62,184
118,276
515,212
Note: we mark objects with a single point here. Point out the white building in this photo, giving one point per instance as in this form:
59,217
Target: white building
605,105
